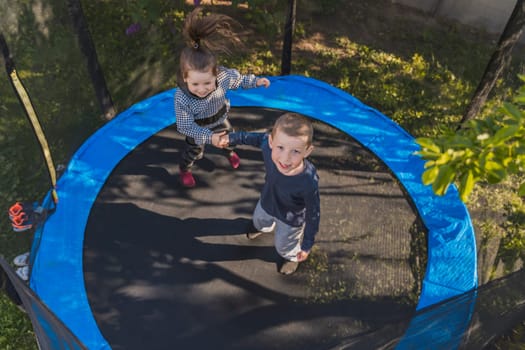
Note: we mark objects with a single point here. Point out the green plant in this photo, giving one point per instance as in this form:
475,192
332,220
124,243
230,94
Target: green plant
486,150
512,246
15,329
267,16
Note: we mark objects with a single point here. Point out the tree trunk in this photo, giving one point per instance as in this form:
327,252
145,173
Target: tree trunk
498,62
286,59
94,69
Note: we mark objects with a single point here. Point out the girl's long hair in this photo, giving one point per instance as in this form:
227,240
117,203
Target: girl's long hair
205,35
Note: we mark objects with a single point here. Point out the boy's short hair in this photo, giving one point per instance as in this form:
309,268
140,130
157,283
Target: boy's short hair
294,124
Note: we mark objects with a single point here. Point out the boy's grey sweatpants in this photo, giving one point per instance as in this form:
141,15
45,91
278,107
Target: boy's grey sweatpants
287,239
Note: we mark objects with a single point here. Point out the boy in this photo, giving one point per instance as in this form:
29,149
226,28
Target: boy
289,202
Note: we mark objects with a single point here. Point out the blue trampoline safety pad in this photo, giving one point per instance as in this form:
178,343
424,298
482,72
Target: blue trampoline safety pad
57,273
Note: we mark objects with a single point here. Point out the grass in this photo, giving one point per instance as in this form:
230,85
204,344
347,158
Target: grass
418,70
15,329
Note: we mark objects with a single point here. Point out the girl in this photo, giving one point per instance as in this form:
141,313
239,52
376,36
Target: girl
201,106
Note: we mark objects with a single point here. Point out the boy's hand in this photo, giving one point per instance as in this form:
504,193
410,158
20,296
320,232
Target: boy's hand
220,139
302,255
262,82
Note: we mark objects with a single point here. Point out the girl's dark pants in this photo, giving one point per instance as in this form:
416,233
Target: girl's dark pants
193,152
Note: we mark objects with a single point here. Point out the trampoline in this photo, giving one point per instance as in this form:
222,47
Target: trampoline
131,260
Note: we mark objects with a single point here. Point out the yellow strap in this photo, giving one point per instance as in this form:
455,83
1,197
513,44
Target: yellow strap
28,106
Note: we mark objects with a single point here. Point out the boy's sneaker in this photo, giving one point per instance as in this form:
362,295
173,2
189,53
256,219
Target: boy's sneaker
21,260
186,177
255,233
234,159
288,267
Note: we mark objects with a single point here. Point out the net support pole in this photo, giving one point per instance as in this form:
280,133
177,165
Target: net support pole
286,59
24,99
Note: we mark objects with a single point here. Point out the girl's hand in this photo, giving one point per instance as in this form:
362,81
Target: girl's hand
302,255
262,82
220,139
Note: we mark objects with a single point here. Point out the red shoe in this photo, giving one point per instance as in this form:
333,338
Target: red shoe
21,223
15,210
186,178
234,159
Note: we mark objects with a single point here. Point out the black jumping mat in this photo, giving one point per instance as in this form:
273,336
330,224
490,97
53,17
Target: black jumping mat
171,268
